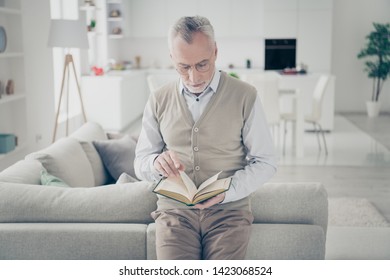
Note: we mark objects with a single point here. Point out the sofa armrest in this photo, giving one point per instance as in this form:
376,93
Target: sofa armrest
291,203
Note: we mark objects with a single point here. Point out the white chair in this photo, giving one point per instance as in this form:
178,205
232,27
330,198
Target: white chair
315,114
152,83
156,81
267,86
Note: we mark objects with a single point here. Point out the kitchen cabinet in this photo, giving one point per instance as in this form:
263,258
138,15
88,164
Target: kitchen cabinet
115,100
13,111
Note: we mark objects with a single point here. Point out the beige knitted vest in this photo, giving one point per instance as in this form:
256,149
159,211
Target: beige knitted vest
214,142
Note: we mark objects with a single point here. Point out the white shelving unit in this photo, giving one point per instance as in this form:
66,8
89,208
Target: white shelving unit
13,111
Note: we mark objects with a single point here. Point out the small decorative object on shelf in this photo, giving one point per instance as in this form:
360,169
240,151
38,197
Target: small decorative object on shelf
117,31
248,64
138,62
7,143
3,39
115,13
97,71
1,89
89,3
10,88
92,25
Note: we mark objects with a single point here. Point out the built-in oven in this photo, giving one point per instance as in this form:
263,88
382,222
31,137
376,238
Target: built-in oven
280,54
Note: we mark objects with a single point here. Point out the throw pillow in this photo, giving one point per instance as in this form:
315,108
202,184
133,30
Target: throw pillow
23,172
48,179
126,178
117,155
66,159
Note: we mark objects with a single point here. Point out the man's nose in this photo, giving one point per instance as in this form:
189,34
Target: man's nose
193,74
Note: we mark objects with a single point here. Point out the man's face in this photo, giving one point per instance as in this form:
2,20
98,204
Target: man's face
195,62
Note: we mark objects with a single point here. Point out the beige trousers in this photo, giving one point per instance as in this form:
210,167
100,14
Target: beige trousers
208,234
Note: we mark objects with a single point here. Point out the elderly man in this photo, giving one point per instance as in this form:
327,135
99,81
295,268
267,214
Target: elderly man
204,123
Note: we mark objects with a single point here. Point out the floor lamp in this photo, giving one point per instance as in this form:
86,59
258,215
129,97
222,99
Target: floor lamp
68,34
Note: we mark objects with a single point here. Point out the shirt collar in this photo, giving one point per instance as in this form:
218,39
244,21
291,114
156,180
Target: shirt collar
212,86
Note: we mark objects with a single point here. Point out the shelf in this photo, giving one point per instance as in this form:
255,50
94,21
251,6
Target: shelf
11,98
115,36
88,8
17,149
11,54
114,19
9,11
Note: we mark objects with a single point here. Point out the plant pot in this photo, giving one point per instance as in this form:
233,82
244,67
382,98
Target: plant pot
373,108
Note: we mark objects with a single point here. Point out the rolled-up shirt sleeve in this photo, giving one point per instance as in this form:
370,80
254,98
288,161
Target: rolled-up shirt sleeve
261,156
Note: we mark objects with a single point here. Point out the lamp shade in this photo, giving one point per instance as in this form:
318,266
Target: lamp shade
68,34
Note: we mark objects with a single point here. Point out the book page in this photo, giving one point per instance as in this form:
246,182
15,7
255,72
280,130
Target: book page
173,184
221,184
191,188
209,181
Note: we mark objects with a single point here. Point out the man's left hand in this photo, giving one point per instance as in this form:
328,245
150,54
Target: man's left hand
210,202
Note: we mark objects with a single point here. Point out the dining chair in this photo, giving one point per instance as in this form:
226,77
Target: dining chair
267,86
152,83
314,116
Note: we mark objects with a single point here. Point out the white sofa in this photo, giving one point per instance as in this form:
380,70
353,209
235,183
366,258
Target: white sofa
99,219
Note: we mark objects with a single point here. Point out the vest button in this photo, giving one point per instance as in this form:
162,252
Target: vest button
196,149
196,129
197,168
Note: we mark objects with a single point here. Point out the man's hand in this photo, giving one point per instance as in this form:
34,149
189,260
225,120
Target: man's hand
168,164
210,202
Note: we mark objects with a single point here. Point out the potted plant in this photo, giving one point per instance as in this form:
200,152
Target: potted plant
377,47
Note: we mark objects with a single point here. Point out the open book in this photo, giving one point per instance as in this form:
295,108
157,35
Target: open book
181,188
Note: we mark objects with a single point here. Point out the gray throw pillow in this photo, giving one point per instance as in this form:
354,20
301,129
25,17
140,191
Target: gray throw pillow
117,155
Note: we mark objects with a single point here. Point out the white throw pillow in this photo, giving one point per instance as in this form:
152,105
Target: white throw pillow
66,159
23,172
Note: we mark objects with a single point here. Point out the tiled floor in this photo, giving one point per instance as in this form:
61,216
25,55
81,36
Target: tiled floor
357,165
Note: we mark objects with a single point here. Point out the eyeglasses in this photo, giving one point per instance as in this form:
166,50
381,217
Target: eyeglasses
202,66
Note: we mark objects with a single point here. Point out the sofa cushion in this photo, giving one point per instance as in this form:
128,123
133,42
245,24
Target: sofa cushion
117,155
100,173
286,203
48,179
286,242
23,172
85,135
66,159
88,132
125,203
72,241
126,178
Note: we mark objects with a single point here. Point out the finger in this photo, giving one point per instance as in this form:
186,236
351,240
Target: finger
176,160
166,166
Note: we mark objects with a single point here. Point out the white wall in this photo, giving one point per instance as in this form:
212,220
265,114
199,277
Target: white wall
352,21
39,72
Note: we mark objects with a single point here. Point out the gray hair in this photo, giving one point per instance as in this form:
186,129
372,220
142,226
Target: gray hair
185,27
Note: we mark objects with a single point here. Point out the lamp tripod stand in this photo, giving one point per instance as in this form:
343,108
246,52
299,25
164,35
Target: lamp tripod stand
66,73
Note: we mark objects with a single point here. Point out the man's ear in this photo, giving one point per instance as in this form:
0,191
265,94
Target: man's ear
216,50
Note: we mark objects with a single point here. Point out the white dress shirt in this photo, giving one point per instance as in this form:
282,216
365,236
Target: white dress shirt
255,134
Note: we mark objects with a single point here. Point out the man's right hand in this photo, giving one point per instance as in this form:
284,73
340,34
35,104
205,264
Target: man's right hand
168,164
